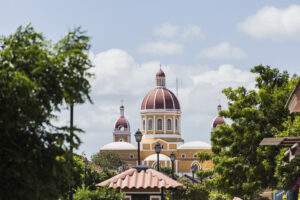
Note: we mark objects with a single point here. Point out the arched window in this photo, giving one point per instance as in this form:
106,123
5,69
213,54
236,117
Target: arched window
159,124
176,124
169,124
144,124
150,125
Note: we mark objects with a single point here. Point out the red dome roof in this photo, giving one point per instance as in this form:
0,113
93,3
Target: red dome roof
217,121
122,122
160,98
160,73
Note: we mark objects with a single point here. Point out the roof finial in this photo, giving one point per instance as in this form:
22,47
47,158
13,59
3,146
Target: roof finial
160,66
219,105
121,102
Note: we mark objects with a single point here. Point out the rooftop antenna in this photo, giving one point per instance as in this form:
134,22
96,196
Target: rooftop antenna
177,87
121,101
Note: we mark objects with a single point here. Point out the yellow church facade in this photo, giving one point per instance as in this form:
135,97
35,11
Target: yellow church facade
160,123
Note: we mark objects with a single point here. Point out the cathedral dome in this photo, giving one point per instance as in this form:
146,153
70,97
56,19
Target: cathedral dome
122,122
218,120
160,98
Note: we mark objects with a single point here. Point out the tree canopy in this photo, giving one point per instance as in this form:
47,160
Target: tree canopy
37,78
107,159
242,167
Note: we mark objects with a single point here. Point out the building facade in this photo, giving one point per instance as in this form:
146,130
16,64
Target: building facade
160,122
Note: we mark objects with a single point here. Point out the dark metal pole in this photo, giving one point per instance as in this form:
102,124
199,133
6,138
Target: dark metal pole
71,150
173,170
173,196
193,177
158,162
139,159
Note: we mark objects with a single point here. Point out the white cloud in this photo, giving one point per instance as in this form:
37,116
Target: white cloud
187,31
119,76
166,30
274,23
193,31
161,48
222,51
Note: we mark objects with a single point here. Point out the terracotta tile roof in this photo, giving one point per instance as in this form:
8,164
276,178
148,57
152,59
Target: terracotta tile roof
141,179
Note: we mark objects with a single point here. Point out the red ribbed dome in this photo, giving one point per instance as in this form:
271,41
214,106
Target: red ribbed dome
160,73
160,98
121,122
217,121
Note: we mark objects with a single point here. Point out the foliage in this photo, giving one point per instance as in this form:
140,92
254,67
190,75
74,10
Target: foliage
214,195
287,174
192,192
107,159
98,194
36,78
204,156
242,167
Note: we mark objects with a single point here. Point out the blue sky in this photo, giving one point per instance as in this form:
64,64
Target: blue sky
208,45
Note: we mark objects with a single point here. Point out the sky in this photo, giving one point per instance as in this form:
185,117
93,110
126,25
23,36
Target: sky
206,45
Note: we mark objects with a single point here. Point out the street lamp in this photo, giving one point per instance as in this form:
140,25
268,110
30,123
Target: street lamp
86,162
138,137
173,157
194,169
157,150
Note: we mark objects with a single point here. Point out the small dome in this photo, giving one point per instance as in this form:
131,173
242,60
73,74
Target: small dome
118,146
122,123
153,157
218,120
160,98
195,145
160,73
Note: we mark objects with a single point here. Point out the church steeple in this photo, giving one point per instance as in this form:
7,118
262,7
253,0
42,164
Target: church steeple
122,128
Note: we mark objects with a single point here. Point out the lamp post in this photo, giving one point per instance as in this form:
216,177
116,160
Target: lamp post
138,137
157,150
194,169
173,157
86,162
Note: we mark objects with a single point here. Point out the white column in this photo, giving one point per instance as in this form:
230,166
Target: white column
179,124
165,163
165,124
148,163
176,163
154,124
173,123
146,124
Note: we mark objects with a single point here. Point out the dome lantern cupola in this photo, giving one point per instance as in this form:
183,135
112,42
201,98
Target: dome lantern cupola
160,79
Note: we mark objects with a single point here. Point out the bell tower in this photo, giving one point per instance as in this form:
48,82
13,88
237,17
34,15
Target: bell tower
122,128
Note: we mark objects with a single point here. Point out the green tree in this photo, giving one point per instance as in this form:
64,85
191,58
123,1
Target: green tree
98,194
37,78
242,167
287,174
107,159
192,192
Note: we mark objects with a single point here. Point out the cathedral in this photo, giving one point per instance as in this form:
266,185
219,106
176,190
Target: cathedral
160,122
